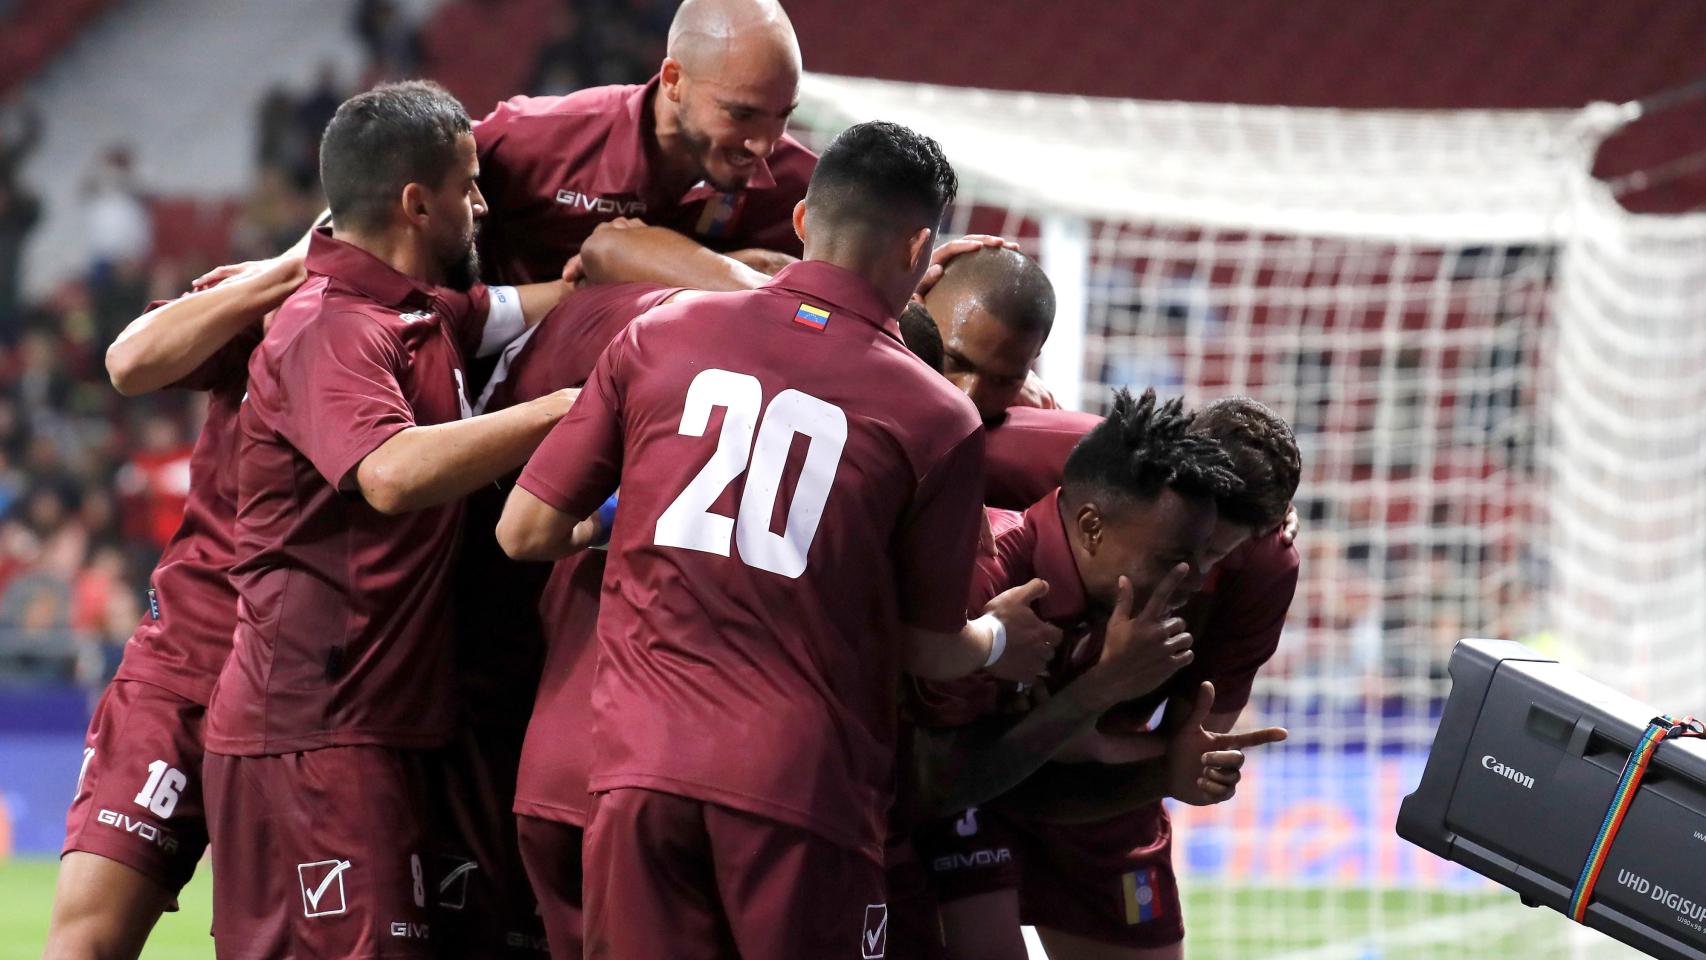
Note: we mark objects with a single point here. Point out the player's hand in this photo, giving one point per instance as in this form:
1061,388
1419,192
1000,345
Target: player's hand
574,272
1142,652
626,223
288,267
1031,641
1035,394
953,248
1204,767
558,403
1288,529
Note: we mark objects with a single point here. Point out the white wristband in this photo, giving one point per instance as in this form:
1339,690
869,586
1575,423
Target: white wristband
998,637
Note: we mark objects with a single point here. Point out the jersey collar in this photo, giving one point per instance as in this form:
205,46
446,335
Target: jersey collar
1051,559
363,272
838,289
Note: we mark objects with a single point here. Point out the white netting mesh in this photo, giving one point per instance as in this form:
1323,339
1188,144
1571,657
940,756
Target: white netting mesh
1498,380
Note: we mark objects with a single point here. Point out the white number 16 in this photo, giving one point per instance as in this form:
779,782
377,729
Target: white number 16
688,521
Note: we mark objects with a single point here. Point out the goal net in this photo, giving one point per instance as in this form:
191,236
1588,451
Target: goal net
1498,381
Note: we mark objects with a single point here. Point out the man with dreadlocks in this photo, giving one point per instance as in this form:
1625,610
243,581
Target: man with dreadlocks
1150,501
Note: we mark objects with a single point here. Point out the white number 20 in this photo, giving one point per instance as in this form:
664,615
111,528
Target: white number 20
688,521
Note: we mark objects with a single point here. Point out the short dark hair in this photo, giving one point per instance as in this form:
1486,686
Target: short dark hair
919,332
1264,455
1144,447
1008,284
383,140
882,175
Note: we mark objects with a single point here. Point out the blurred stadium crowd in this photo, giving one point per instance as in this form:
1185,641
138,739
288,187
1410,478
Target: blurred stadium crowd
91,483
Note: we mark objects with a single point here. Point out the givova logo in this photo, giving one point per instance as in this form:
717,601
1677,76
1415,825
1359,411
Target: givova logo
592,204
1512,774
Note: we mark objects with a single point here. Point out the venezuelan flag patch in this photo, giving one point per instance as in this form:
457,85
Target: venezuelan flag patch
815,317
1142,896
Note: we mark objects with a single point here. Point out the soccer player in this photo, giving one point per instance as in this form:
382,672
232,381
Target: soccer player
550,776
701,149
762,594
1085,843
136,827
356,449
699,152
995,307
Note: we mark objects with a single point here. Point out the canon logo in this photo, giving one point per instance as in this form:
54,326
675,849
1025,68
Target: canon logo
1509,773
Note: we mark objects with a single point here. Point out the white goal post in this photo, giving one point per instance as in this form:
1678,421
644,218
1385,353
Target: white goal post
1497,377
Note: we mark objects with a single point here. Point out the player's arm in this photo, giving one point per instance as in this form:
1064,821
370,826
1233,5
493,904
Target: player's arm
550,512
625,250
1009,640
1201,767
166,344
959,768
424,466
767,262
531,529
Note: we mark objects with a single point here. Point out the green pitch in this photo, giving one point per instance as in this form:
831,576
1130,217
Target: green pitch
1241,923
26,887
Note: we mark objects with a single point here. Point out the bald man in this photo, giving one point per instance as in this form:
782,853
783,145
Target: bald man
995,307
700,149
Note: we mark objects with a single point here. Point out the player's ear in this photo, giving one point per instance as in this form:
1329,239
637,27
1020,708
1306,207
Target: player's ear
1089,522
669,79
800,221
414,204
918,250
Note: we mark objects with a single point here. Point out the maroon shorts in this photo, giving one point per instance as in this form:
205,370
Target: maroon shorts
484,903
915,923
1111,881
973,853
552,853
667,876
323,854
139,797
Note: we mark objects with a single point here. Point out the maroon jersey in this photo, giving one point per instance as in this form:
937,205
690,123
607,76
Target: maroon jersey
561,350
754,589
343,616
554,168
499,642
1025,454
1235,619
185,633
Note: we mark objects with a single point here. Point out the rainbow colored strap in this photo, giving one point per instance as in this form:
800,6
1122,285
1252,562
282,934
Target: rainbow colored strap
1628,782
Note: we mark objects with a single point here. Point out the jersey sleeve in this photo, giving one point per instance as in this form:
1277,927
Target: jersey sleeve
226,366
340,395
580,462
465,314
1246,626
937,543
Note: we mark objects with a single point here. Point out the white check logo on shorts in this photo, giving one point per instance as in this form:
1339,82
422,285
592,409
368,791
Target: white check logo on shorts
874,943
317,881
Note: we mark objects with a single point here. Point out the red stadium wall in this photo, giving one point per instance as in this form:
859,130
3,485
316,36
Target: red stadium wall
1444,54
